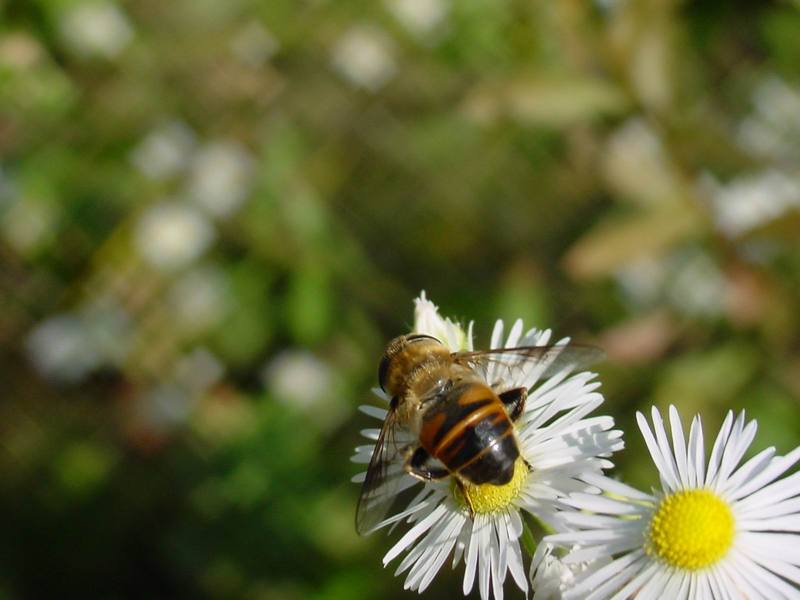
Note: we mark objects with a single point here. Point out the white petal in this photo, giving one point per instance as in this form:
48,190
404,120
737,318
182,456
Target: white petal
783,545
776,468
515,562
601,504
782,489
415,532
472,559
701,587
773,586
736,572
498,575
484,558
616,487
655,587
497,335
739,443
637,582
415,506
756,464
697,454
583,537
513,335
621,569
461,544
663,445
679,446
660,461
716,451
786,507
445,543
718,589
501,529
603,551
773,562
374,411
381,394
785,523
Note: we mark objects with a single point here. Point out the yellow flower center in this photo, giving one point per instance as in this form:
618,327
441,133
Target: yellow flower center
488,498
690,530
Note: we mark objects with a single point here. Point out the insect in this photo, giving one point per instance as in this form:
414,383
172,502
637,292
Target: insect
445,418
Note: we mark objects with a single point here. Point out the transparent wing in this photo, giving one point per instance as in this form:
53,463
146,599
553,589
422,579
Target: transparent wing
508,368
384,479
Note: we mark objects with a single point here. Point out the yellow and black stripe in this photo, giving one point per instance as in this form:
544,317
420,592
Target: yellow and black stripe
471,434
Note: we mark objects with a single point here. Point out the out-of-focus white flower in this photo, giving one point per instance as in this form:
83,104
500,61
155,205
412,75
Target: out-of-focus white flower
298,377
608,5
421,17
307,384
220,177
752,200
61,349
166,406
96,29
557,441
696,286
69,346
642,280
254,45
636,165
27,224
688,279
773,130
165,151
198,370
199,299
171,235
716,529
363,55
108,329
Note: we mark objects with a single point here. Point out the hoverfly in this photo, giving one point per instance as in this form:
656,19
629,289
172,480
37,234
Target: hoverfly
445,418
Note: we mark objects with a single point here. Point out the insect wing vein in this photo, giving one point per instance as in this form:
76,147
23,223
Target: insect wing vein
383,481
506,368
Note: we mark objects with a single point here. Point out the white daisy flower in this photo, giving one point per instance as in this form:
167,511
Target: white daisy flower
551,577
557,440
716,530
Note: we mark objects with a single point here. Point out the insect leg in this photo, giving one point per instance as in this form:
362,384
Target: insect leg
466,498
416,467
514,401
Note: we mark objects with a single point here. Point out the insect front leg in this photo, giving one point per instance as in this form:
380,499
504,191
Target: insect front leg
466,497
514,401
416,467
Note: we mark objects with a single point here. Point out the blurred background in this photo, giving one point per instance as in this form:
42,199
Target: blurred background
214,214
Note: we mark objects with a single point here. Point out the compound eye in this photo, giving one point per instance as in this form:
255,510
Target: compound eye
383,370
417,337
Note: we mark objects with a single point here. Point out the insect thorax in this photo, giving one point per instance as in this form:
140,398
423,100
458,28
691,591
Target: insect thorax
409,364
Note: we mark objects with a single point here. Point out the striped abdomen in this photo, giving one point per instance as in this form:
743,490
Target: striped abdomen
471,434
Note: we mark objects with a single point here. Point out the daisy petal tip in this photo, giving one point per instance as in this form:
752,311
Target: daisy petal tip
655,414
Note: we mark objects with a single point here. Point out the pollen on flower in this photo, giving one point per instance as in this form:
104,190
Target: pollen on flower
488,498
691,530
